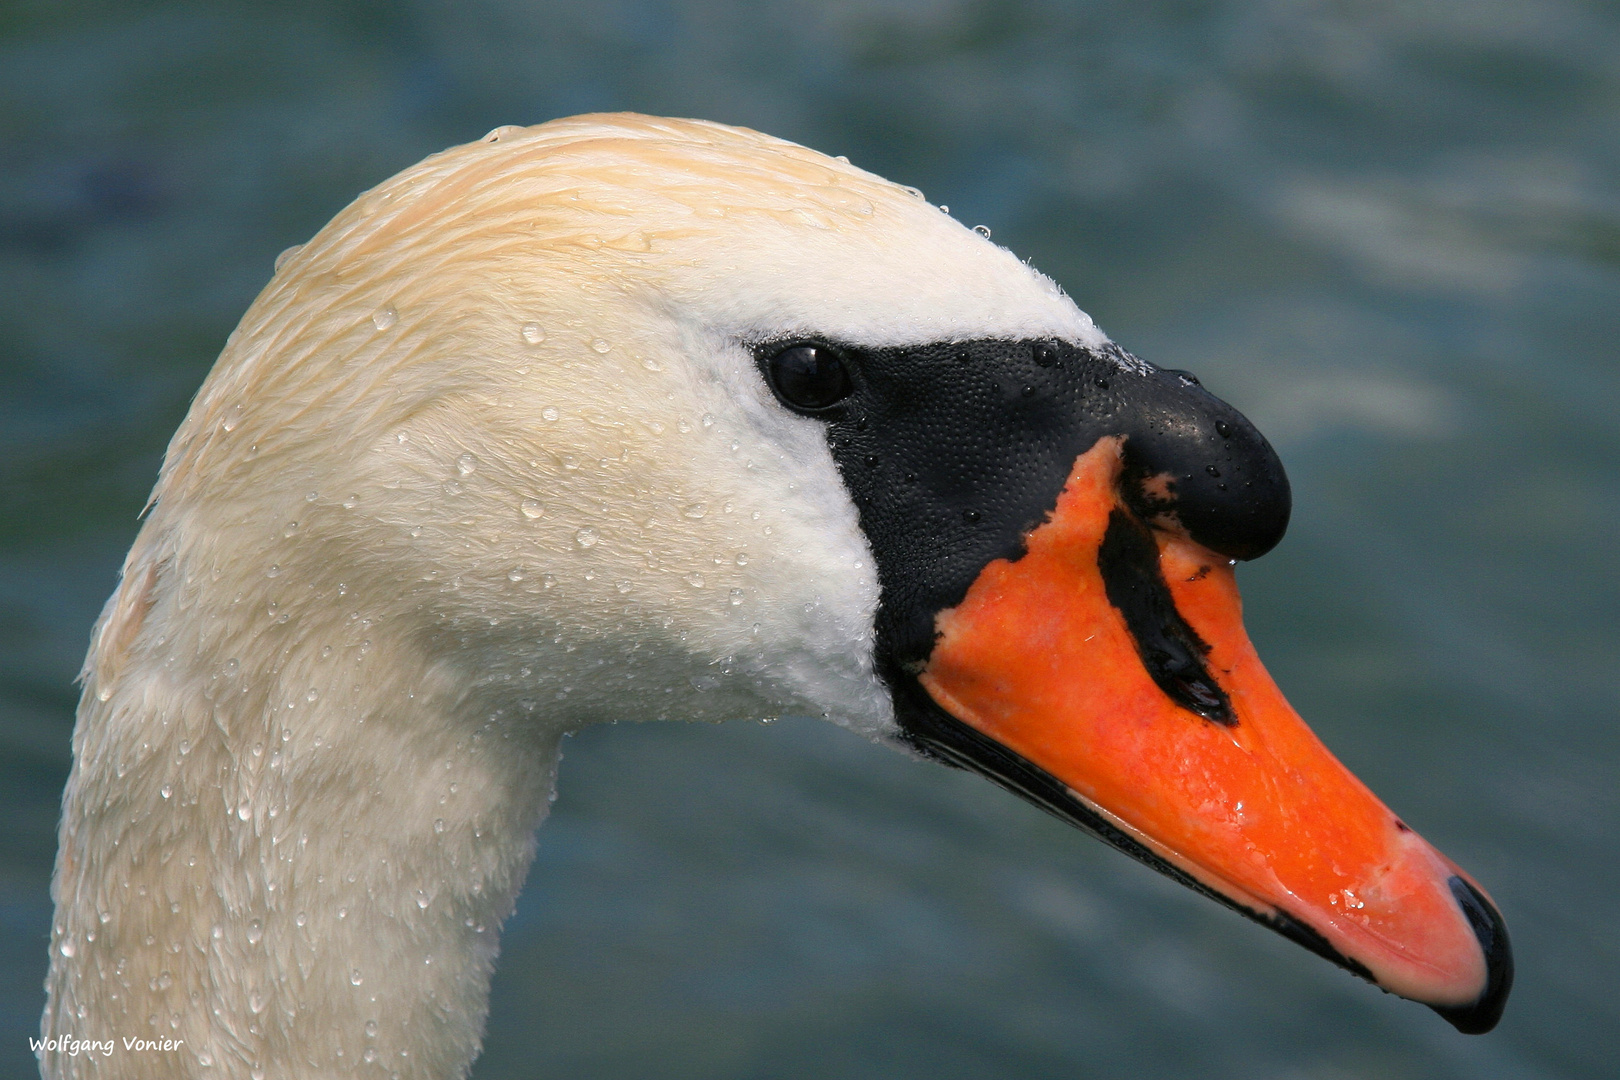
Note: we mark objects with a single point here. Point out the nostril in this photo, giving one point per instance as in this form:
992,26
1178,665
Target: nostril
1170,649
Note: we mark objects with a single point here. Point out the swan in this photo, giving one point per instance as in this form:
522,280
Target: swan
620,417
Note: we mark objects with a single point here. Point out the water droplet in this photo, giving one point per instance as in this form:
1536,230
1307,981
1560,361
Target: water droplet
104,693
944,209
452,487
704,682
1212,470
915,193
708,420
300,919
343,913
438,825
422,900
533,333
1223,429
371,1051
694,579
355,976
467,464
515,574
286,255
531,508
67,948
736,597
185,747
232,418
600,346
548,581
384,318
982,230
742,558
695,511
586,538
166,790
205,1059
244,809
255,1002
549,413
351,502
371,1029
255,1073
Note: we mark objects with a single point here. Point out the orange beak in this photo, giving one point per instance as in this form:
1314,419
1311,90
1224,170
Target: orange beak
1203,763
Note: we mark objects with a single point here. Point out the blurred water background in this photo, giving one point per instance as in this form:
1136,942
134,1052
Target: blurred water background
1390,232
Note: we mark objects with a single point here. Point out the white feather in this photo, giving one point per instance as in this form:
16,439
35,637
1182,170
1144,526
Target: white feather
488,460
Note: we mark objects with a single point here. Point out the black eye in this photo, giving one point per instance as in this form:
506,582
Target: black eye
808,376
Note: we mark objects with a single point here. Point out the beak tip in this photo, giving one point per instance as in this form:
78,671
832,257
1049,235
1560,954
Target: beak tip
1482,1014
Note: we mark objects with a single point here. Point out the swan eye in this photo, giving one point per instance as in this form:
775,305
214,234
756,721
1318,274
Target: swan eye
808,376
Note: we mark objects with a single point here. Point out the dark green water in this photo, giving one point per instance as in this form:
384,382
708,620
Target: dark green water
1390,232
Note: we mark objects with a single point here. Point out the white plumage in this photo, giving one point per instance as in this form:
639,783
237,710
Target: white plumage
488,460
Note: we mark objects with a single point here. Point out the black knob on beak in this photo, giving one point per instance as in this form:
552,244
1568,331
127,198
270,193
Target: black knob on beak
1194,463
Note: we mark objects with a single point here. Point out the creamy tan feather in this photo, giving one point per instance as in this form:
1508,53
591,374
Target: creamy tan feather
488,460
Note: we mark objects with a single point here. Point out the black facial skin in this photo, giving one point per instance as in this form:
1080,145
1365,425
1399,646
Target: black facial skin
954,452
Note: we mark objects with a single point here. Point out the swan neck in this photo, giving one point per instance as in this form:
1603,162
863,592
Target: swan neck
292,858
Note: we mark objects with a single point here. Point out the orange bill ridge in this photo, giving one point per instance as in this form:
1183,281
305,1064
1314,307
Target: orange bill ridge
1112,655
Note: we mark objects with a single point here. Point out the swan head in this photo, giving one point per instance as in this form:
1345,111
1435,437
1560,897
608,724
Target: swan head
629,418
